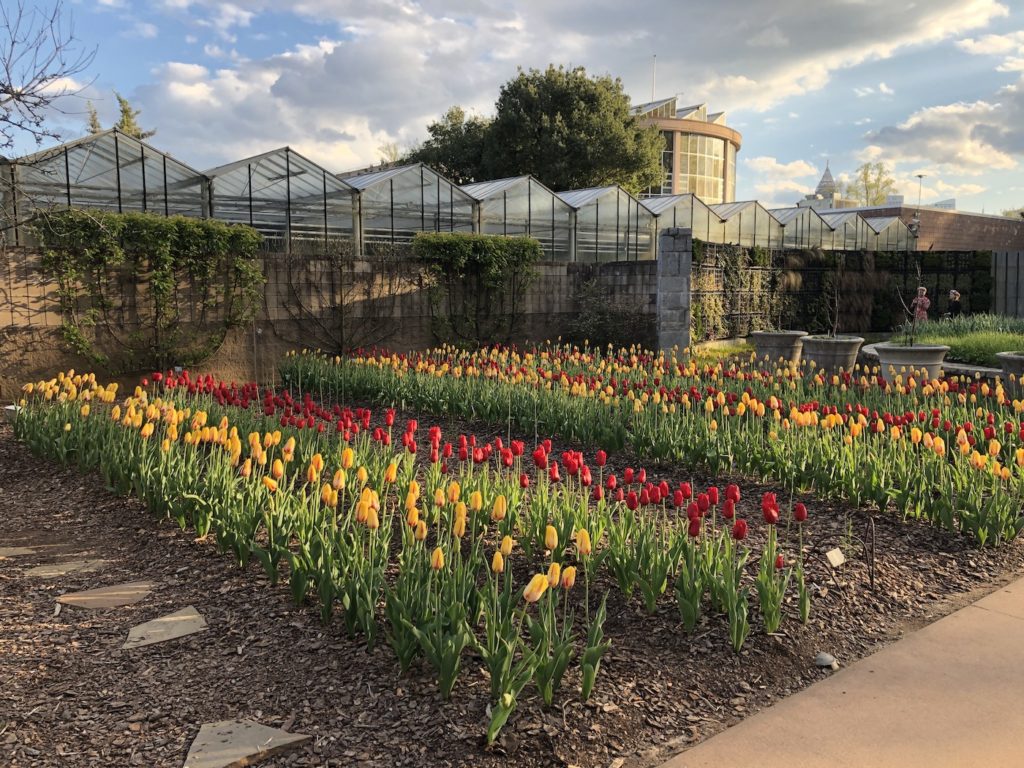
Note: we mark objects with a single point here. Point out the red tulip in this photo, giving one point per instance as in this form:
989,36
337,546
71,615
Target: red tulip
703,502
601,458
686,489
732,491
694,528
739,530
693,510
553,472
729,509
611,482
628,475
524,480
677,498
771,514
713,494
799,512
780,562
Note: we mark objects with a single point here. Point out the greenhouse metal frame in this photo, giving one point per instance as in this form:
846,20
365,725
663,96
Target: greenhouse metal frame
109,171
611,225
521,205
294,203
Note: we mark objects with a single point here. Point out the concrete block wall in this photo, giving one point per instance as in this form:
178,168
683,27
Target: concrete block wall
675,262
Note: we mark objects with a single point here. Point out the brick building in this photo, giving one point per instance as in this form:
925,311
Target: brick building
943,229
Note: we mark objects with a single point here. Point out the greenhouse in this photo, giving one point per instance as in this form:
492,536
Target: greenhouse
747,224
611,225
891,233
685,211
110,171
803,228
523,206
293,202
394,204
850,232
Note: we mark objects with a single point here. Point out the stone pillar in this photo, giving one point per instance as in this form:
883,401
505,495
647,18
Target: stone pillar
675,259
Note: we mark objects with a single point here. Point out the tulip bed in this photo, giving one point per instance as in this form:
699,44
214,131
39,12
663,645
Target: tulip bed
949,451
435,547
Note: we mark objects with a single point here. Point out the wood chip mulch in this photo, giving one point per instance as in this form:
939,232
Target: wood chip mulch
69,696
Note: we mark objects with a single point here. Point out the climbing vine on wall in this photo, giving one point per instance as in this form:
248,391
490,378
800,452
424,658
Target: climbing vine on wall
140,291
477,283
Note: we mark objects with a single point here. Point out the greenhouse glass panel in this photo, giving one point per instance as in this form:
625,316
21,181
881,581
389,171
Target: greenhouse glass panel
296,204
397,203
611,225
524,206
686,211
105,171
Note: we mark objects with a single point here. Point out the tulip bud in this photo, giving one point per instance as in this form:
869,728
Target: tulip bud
780,562
270,483
569,577
583,544
507,543
459,528
500,508
799,512
437,559
277,469
536,588
421,530
498,563
550,537
739,530
554,575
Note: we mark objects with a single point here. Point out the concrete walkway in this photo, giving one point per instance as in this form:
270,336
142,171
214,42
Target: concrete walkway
951,694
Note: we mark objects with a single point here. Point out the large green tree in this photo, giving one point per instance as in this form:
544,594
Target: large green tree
871,184
568,129
571,131
455,147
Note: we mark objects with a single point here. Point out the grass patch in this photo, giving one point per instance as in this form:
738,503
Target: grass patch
975,339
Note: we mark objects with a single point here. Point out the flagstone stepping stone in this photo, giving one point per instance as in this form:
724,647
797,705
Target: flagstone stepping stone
6,552
237,743
187,621
108,597
56,570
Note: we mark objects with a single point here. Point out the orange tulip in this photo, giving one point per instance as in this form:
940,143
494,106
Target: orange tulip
270,483
569,577
421,530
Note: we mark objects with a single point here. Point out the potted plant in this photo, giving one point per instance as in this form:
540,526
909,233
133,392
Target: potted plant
831,352
776,344
1013,372
901,354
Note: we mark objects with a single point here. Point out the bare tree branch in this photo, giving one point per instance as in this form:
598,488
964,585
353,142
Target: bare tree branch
39,58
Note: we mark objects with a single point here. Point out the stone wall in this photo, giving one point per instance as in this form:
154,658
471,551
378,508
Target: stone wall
675,258
309,302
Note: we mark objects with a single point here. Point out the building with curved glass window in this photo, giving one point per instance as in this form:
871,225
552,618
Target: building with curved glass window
699,155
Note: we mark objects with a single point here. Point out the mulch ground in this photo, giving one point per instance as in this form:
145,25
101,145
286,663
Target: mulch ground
69,696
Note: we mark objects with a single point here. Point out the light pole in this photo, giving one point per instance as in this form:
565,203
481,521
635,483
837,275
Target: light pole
916,221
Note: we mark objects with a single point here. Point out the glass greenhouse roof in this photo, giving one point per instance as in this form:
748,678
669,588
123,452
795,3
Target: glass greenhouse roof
726,211
662,203
578,198
482,190
880,223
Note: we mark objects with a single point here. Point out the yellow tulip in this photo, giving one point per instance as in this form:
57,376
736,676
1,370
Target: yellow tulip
507,543
372,521
554,575
277,469
453,492
412,517
536,588
583,545
550,537
437,559
498,563
476,501
270,483
338,482
459,528
994,447
438,497
421,530
500,508
391,473
362,476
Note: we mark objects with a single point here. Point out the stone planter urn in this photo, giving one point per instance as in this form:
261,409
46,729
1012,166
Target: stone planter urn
895,359
1013,365
778,345
831,353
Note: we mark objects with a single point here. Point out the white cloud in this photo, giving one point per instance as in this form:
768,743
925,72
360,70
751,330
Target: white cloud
967,138
865,91
862,121
142,29
992,45
770,166
885,89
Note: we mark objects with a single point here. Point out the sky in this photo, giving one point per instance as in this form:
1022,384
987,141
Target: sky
933,87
